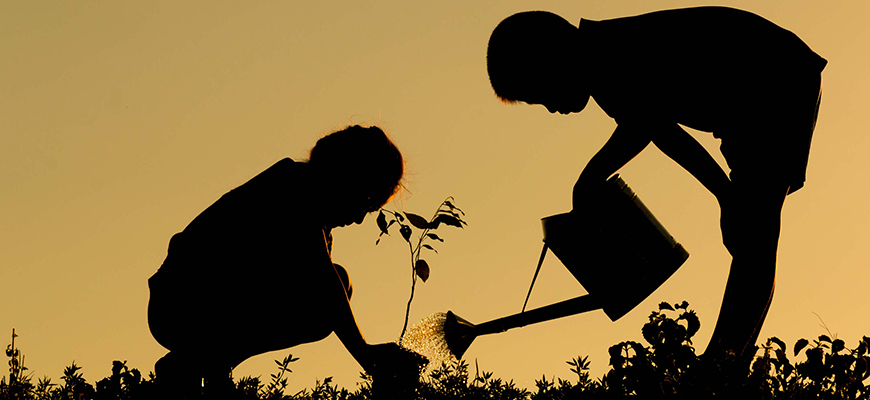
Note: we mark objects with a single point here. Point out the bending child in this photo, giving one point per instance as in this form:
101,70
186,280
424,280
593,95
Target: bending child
749,82
265,245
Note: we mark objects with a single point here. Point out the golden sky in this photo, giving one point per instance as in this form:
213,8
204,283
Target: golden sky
120,122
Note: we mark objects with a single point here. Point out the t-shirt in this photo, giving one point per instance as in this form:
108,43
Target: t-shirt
709,68
256,235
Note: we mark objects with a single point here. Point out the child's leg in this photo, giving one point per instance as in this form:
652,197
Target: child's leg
768,159
187,375
176,379
196,353
750,231
210,332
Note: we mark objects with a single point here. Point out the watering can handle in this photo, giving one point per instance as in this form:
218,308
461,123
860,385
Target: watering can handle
540,262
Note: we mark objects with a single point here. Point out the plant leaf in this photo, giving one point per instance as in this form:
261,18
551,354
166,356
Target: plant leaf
665,306
800,346
416,220
837,346
780,356
447,220
405,230
452,214
421,268
430,248
779,342
452,207
693,323
382,222
434,236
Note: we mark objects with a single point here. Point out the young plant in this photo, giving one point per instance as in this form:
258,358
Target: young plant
661,368
275,389
446,214
19,382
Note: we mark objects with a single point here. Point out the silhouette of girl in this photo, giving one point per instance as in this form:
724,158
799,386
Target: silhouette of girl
253,273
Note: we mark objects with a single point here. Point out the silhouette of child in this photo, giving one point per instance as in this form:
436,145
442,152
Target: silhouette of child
753,84
253,272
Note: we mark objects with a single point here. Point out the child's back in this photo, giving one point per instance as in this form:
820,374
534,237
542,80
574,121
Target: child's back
697,67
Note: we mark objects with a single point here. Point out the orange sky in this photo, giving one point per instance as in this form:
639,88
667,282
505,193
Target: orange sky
120,122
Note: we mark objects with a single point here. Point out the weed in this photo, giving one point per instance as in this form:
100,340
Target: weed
665,367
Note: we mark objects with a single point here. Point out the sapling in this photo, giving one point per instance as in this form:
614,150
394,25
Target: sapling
446,214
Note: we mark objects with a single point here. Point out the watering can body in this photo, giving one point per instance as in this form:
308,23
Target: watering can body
618,251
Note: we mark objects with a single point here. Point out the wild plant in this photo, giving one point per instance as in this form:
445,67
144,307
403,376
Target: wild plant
19,385
660,369
74,385
666,367
830,371
275,388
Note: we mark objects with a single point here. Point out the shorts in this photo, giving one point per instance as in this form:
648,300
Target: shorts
773,144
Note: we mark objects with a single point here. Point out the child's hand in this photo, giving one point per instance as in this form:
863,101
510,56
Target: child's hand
395,371
389,359
586,196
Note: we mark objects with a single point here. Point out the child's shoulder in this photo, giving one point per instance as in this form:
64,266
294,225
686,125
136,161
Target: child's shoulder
697,15
689,25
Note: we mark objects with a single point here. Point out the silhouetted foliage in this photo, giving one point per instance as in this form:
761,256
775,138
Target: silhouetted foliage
447,214
665,367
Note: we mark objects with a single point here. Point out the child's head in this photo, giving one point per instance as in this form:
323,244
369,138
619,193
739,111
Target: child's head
532,57
362,166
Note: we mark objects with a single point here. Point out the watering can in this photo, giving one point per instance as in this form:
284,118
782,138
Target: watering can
618,251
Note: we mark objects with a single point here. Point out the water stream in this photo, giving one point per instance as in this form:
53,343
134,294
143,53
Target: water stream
427,338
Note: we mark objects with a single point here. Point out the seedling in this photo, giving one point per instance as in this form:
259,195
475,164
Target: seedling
446,214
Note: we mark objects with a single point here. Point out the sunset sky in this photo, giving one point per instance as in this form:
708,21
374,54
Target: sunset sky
121,121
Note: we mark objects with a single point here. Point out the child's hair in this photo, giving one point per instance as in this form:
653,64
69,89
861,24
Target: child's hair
363,156
522,48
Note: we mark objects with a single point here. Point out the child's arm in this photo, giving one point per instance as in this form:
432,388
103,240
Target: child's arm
626,142
681,147
344,322
371,357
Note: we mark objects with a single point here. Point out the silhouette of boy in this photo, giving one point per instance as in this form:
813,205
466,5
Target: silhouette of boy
749,82
253,272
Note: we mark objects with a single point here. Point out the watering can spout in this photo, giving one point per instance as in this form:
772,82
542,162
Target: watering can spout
458,333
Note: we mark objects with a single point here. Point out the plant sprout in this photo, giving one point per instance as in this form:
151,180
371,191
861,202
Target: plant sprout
446,214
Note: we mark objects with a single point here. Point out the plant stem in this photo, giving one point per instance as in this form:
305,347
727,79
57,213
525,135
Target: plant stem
415,255
413,285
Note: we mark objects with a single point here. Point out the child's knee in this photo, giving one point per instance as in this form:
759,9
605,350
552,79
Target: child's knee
747,236
751,230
